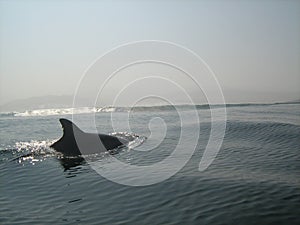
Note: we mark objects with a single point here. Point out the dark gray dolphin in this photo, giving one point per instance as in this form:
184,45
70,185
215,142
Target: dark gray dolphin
75,142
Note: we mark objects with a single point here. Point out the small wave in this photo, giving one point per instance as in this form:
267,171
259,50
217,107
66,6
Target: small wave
7,114
135,140
30,151
33,145
106,109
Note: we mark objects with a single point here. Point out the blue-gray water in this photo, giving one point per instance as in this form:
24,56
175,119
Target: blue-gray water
254,179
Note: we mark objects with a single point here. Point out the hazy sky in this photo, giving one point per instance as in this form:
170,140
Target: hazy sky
252,46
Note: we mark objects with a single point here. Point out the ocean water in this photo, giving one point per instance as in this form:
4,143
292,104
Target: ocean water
254,179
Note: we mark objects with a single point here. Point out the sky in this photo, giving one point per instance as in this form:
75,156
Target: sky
252,47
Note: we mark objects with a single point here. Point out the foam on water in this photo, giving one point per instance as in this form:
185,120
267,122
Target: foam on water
51,112
38,150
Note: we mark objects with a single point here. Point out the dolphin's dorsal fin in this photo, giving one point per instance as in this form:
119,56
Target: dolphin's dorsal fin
69,127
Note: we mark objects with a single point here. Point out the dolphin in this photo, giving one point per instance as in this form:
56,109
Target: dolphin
76,142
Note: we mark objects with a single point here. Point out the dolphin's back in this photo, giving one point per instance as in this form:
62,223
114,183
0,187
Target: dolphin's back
111,142
88,142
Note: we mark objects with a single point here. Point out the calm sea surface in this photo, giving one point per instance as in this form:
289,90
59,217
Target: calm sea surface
255,178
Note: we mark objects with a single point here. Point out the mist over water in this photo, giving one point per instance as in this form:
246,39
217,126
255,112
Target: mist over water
253,47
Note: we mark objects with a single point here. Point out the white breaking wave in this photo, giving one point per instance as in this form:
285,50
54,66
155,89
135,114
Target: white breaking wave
106,109
64,111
